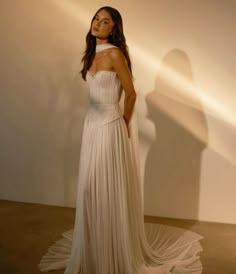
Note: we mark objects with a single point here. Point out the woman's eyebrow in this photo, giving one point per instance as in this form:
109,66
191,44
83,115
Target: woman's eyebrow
104,18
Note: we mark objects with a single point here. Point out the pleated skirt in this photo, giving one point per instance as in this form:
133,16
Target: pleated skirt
109,234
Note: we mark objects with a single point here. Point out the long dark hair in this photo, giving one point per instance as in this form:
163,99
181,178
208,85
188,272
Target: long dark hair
117,39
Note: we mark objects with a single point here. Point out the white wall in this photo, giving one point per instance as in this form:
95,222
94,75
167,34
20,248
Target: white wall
184,65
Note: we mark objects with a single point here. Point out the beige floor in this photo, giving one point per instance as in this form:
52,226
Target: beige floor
26,231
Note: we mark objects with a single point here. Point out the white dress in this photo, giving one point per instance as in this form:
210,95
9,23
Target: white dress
109,235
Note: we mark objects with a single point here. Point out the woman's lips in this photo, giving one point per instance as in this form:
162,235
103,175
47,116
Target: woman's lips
95,29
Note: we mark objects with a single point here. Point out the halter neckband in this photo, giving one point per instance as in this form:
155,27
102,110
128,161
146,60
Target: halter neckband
102,47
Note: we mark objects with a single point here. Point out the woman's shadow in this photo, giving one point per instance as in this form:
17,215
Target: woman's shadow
173,164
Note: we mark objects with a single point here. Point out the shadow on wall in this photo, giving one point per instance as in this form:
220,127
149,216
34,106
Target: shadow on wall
173,164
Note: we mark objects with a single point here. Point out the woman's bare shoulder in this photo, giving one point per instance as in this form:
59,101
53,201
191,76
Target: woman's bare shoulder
116,54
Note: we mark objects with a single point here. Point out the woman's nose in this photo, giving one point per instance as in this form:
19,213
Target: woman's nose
97,23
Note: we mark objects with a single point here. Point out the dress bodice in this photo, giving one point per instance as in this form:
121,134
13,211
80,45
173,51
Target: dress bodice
104,95
104,87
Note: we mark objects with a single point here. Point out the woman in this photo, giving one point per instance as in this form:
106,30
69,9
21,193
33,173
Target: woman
109,235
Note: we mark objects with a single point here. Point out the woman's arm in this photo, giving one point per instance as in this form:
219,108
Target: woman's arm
121,68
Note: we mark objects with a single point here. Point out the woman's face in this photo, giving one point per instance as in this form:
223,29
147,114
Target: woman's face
102,25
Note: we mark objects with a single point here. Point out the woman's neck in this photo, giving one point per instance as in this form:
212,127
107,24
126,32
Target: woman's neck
101,41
